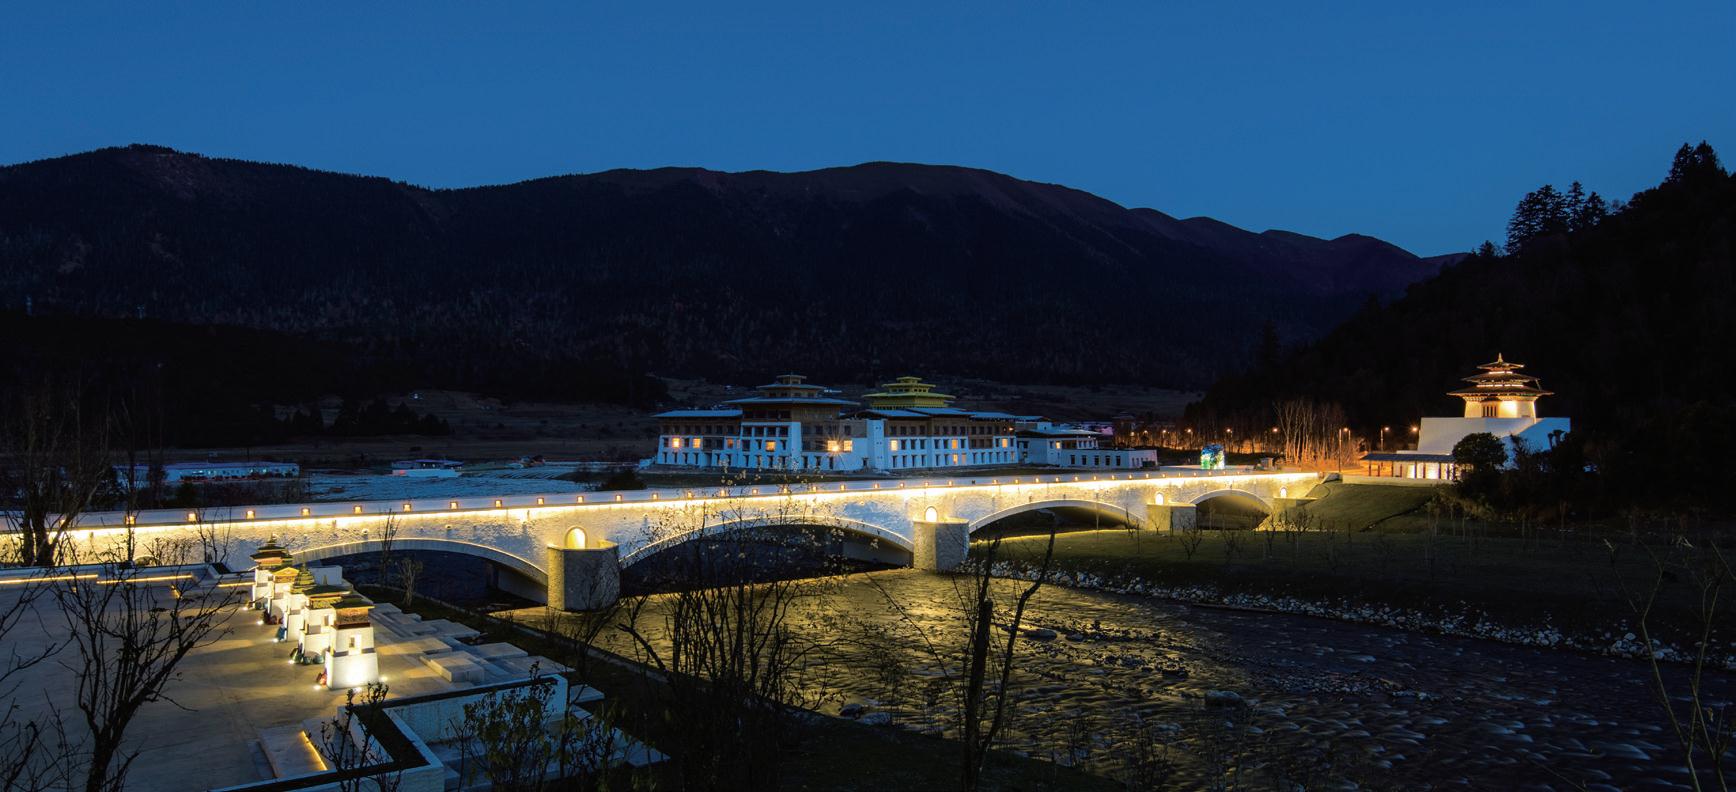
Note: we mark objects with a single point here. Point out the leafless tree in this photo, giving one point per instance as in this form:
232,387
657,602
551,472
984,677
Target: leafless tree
1704,728
55,461
215,536
29,748
523,739
1311,432
128,632
731,663
1191,535
348,742
408,570
388,536
984,707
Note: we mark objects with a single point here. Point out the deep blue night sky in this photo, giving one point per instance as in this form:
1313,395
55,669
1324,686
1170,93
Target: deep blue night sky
1421,126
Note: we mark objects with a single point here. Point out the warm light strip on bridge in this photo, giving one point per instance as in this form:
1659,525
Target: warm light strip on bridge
813,493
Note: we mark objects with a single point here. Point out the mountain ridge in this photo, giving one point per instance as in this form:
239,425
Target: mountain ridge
861,269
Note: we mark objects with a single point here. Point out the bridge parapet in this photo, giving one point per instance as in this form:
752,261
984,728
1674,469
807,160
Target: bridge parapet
517,531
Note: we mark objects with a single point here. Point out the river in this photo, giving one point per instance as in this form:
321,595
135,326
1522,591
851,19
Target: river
1159,692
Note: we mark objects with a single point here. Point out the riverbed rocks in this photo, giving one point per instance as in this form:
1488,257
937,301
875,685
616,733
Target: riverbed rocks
1274,687
1223,698
1465,622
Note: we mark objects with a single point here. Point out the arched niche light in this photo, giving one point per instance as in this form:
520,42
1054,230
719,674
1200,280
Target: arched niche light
576,538
931,514
1157,499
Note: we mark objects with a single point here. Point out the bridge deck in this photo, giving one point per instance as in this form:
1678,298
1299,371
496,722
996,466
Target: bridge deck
614,499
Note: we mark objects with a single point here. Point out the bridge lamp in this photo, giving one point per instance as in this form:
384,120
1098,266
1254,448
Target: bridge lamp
931,514
304,511
539,501
249,514
406,506
453,504
497,503
192,517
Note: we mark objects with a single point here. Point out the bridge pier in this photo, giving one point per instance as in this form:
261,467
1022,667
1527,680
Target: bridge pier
941,545
584,578
1171,516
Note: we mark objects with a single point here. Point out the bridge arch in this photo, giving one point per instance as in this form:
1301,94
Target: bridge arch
858,527
1109,510
500,557
1243,496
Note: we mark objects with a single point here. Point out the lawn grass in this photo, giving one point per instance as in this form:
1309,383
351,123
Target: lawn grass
1379,544
831,754
1369,507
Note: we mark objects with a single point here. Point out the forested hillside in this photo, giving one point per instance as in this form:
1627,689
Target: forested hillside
855,273
1627,318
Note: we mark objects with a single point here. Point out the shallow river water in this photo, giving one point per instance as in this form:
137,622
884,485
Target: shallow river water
1154,691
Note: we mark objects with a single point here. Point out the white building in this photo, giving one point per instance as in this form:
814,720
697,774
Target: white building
174,473
1067,446
790,425
1499,401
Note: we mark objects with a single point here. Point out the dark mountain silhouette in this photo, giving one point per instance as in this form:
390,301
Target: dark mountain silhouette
850,272
1627,321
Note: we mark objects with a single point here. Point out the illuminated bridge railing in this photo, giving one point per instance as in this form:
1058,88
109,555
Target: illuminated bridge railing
616,498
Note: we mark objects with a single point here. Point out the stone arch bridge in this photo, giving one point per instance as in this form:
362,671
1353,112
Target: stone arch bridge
570,547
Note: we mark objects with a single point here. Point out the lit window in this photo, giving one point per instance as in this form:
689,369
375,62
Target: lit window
674,442
771,445
894,445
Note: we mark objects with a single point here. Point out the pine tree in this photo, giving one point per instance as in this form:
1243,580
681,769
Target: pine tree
1592,212
1574,205
1694,163
1488,250
1525,223
1553,210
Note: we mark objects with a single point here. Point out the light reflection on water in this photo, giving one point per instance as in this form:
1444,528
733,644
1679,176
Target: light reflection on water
1124,676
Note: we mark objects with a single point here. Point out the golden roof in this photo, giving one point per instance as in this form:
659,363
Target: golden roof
271,550
1500,379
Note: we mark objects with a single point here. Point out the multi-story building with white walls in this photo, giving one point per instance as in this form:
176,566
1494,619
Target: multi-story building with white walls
790,425
1067,446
